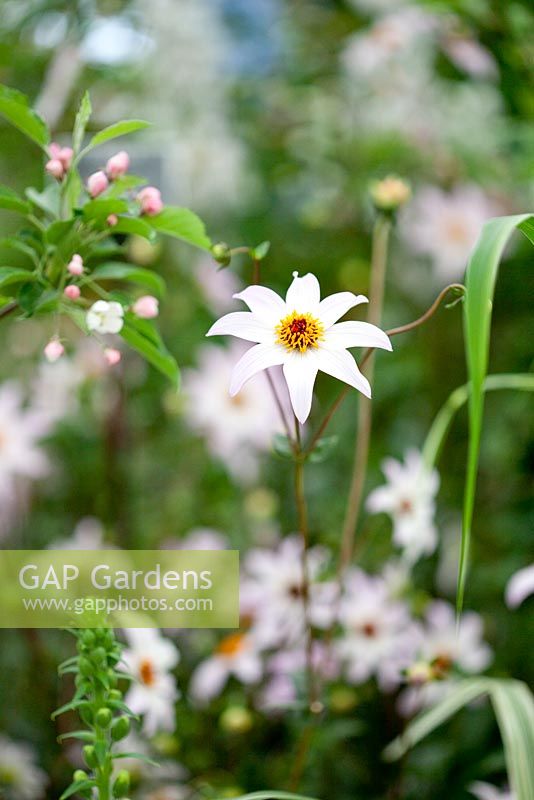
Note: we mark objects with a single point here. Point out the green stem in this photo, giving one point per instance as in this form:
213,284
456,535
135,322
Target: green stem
381,233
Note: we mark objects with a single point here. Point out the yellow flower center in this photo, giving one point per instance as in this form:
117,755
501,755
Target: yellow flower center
299,331
147,672
231,645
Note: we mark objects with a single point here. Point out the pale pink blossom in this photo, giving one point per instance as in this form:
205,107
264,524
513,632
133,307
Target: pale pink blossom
62,154
112,220
520,586
54,350
471,57
117,165
72,292
150,199
97,183
146,307
75,265
112,356
237,654
54,167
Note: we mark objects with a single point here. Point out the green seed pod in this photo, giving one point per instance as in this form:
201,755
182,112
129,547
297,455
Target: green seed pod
86,713
120,728
115,695
88,638
89,756
99,655
103,717
121,787
80,775
112,677
221,253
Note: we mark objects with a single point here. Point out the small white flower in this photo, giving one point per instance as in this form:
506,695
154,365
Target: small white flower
520,586
105,317
21,428
379,636
150,659
20,777
486,791
299,333
87,535
237,654
409,498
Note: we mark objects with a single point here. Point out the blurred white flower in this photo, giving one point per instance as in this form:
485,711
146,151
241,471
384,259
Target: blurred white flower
487,791
299,333
198,539
88,534
55,388
237,654
379,637
236,428
471,57
105,317
446,225
150,657
445,647
409,498
20,777
520,586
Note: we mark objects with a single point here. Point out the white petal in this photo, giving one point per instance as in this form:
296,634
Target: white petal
356,334
341,365
304,294
257,358
520,586
244,325
300,371
208,679
337,305
268,306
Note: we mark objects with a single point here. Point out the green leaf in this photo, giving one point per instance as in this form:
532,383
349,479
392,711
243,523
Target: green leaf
133,226
443,419
77,787
150,347
48,200
101,209
18,244
323,449
138,757
80,123
182,224
513,704
15,107
480,281
84,736
58,230
11,275
261,251
527,227
282,447
114,131
11,200
116,270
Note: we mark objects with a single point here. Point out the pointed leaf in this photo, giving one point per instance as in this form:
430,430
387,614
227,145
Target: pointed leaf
116,270
11,200
182,224
155,353
77,787
11,275
114,131
15,107
80,123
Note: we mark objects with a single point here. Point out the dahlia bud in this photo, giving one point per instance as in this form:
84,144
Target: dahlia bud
147,307
117,165
390,193
221,253
89,755
112,356
54,167
150,199
121,785
72,292
97,183
53,350
75,265
103,717
120,729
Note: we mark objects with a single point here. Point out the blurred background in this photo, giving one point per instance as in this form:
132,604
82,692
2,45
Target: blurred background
269,119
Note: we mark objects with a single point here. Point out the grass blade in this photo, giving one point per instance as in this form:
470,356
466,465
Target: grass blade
480,281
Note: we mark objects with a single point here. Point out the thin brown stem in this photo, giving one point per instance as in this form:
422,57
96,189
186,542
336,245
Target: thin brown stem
6,310
278,403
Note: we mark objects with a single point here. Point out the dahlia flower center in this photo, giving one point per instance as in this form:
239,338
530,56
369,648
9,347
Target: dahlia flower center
147,673
369,630
231,645
299,331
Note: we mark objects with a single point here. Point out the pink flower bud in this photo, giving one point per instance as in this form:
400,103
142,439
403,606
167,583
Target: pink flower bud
65,156
54,150
117,165
55,168
72,292
150,199
112,220
53,350
147,307
75,265
97,183
112,356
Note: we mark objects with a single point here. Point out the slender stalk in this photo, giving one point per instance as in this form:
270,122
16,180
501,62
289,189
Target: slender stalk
381,234
6,310
278,403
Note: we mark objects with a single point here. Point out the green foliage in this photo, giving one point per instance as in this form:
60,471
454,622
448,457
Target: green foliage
114,131
480,282
10,199
182,224
119,271
143,337
14,106
513,704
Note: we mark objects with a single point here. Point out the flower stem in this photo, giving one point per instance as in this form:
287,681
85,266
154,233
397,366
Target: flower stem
6,310
381,234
